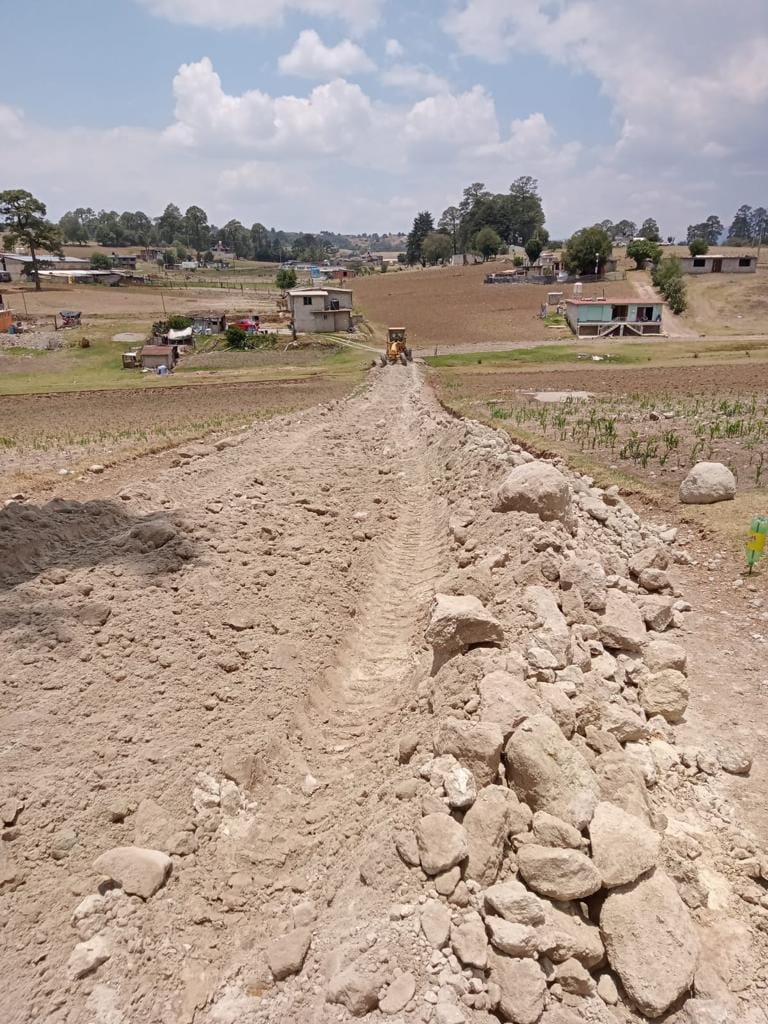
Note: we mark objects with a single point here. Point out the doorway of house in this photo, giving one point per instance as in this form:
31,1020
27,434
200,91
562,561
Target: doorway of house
717,266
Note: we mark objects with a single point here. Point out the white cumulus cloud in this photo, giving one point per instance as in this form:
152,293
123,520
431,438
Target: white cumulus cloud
394,49
360,15
311,58
414,79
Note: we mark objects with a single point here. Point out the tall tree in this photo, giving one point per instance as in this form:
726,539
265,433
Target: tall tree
23,221
196,230
526,215
587,250
624,229
533,248
423,225
649,229
76,225
740,230
709,230
487,242
237,238
436,248
170,223
449,224
758,224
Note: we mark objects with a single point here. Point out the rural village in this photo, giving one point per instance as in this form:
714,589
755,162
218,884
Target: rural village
384,615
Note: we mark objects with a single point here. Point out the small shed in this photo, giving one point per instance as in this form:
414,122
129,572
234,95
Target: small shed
610,318
208,323
153,356
712,263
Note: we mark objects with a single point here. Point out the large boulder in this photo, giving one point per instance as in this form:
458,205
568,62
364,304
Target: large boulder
621,626
512,938
535,487
549,774
665,693
651,942
476,745
557,873
623,847
460,621
707,483
522,986
436,923
442,843
139,872
661,654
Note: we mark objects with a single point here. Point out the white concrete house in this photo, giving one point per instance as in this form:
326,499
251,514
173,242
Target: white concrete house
321,309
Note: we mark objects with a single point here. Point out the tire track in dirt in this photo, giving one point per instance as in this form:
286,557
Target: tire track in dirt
378,660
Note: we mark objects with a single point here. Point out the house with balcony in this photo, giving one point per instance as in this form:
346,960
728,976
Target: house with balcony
613,318
316,310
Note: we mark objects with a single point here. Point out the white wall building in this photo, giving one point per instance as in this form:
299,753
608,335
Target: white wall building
321,309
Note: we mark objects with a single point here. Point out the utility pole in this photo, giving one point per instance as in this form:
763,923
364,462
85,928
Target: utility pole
760,241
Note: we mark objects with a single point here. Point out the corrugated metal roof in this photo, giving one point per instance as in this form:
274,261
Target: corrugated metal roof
42,258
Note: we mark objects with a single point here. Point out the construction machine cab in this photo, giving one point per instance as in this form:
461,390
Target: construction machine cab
397,347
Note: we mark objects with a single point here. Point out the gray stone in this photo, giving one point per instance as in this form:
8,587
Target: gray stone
623,847
623,722
511,938
477,745
512,901
442,843
407,848
607,990
567,934
651,942
537,488
706,483
661,654
622,784
551,831
460,621
88,955
469,941
549,774
506,700
487,824
140,872
399,994
286,954
522,987
574,978
665,693
436,923
621,625
357,990
559,874
550,628
588,577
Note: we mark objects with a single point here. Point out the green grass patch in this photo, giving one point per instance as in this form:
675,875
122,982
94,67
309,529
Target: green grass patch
542,355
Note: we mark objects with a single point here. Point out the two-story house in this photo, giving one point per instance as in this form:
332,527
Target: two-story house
321,309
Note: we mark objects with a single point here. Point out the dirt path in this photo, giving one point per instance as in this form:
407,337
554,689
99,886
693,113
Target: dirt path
220,661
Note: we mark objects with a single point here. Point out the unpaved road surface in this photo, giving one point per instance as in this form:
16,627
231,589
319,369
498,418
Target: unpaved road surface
220,662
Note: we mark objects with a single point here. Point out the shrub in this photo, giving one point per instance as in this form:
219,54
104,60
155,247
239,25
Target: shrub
641,250
236,337
285,278
698,247
100,261
667,276
179,323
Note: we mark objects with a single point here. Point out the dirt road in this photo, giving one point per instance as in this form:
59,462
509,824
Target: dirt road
221,662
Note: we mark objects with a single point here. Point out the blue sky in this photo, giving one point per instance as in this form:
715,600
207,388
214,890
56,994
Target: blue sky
352,115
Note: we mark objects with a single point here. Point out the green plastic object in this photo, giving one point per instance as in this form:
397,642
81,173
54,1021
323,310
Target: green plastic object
756,543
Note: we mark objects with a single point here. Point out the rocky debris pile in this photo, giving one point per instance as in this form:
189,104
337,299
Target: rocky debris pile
553,884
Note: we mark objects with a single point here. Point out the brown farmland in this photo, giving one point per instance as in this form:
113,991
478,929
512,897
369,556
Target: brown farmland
449,307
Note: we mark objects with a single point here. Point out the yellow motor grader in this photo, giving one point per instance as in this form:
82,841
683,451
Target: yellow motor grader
397,348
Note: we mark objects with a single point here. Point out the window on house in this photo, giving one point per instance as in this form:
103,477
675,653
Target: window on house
745,261
620,313
699,261
644,314
307,300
